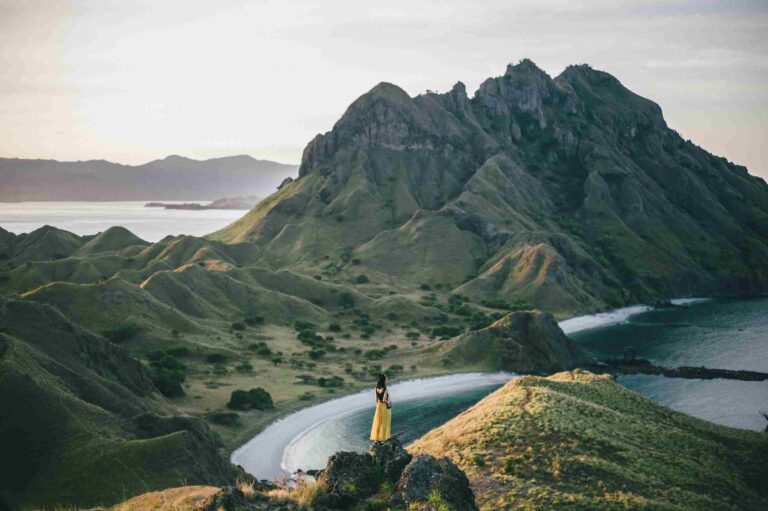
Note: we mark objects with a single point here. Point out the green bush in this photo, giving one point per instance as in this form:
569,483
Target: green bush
244,367
446,331
332,382
122,332
256,399
254,320
238,326
334,327
216,358
361,279
346,299
167,373
316,354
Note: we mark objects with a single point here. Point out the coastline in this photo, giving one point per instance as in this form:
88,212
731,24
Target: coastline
270,449
612,317
280,436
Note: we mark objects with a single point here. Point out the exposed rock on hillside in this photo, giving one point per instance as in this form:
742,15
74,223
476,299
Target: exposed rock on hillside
571,193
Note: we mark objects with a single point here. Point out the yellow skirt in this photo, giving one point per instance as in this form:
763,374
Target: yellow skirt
382,422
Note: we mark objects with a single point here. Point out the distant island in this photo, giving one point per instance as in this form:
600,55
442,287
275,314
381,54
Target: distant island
174,178
248,202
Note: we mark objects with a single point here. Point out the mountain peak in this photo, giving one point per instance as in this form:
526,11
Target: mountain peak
525,67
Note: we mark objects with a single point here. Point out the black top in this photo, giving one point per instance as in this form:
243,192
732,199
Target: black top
382,396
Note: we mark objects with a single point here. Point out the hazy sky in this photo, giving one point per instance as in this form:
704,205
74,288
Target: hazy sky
134,80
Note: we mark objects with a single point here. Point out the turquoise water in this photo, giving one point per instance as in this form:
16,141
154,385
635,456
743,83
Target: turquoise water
410,420
727,334
150,224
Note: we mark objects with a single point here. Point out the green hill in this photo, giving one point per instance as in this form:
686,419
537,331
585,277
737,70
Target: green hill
523,342
83,423
581,441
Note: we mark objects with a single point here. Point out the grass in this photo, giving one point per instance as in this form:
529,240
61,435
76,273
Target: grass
581,441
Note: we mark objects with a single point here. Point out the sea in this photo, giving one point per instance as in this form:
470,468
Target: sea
722,333
85,218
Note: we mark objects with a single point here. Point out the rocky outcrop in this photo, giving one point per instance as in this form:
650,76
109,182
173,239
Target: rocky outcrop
348,478
568,192
390,456
426,483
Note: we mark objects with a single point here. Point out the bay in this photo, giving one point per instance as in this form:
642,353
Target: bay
86,218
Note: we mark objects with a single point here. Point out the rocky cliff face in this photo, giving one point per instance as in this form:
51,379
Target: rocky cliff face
569,192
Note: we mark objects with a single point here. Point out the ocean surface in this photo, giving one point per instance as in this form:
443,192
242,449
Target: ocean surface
149,224
723,334
410,420
305,439
727,334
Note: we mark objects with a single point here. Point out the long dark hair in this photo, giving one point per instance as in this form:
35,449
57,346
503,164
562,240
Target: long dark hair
382,383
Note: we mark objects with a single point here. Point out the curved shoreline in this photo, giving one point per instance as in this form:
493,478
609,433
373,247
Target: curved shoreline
269,449
586,322
267,455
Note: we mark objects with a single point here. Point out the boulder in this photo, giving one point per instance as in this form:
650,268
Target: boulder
390,456
228,499
348,478
431,484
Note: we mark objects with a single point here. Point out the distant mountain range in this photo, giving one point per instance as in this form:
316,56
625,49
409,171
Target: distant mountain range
172,178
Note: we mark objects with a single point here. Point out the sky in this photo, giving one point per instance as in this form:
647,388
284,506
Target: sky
132,81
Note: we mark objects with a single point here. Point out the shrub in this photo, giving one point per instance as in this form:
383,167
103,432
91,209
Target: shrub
256,399
316,354
244,367
122,332
167,373
254,320
332,382
238,326
277,360
362,279
307,396
216,358
446,331
392,316
412,335
303,325
334,327
375,354
395,369
223,418
346,299
425,287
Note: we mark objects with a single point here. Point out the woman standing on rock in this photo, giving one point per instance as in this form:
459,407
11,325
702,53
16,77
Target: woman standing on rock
382,420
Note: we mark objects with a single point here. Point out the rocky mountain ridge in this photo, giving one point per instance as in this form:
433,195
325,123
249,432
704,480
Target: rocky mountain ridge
571,193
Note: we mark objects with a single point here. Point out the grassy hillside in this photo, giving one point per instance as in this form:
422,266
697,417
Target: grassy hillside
570,192
84,424
576,440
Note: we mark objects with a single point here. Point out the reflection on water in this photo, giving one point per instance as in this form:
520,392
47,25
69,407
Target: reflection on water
726,334
410,420
84,218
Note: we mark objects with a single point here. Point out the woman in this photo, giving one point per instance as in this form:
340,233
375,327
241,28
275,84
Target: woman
382,420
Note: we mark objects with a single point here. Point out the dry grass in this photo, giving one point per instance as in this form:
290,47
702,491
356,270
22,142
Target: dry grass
304,494
184,498
246,487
